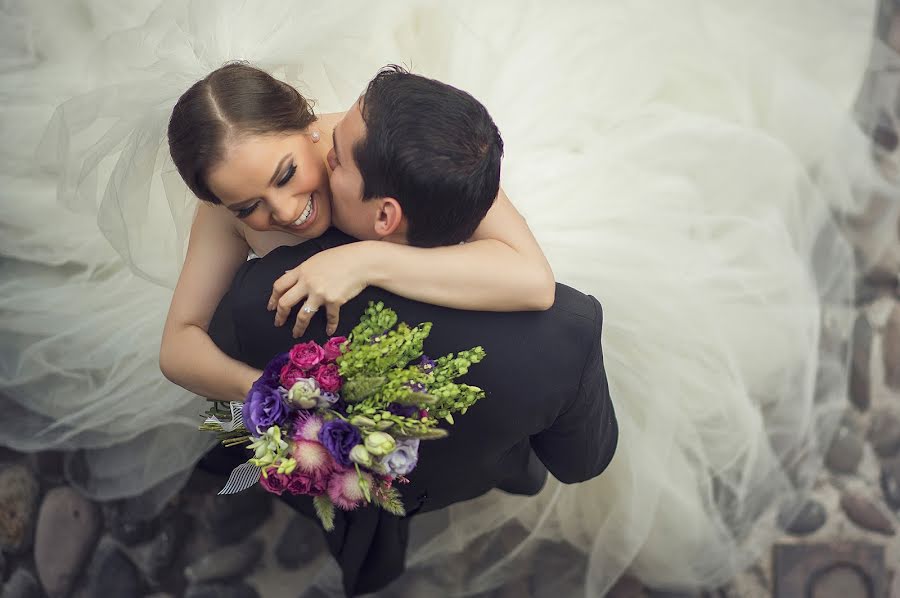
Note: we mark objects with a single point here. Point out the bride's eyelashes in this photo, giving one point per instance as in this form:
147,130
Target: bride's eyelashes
288,175
245,212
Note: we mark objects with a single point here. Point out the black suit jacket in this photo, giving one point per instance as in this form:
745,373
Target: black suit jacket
547,403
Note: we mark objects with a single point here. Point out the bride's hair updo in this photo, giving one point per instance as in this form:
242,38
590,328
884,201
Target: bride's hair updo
233,101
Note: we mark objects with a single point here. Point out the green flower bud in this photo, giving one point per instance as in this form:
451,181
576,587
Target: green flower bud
359,454
268,447
274,435
264,461
287,466
365,484
379,443
303,393
433,434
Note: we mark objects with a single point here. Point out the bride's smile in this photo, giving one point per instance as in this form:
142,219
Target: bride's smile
275,183
307,216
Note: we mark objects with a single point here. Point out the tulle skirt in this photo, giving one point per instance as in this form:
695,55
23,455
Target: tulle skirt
689,163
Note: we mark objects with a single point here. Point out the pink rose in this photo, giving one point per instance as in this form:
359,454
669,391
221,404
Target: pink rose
290,374
328,378
306,355
344,490
333,347
303,483
276,483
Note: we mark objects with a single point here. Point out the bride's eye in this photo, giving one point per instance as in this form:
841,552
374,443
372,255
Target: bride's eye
288,175
244,212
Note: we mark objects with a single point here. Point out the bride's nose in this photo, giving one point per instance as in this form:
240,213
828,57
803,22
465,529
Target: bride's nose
284,210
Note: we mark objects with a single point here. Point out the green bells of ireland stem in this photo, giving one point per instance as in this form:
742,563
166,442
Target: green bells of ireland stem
379,443
361,421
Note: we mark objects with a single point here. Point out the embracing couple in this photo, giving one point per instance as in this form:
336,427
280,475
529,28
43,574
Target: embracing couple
410,178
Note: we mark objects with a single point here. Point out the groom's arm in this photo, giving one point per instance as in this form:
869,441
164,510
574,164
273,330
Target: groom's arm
582,441
222,328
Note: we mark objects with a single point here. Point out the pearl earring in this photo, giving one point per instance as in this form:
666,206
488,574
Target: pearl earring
315,136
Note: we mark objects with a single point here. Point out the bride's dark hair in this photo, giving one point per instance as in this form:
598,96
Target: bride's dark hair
234,100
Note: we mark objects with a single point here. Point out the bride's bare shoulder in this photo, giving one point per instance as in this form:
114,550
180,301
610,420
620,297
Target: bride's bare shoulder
218,218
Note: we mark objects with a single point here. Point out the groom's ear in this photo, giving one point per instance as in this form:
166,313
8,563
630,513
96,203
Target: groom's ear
389,219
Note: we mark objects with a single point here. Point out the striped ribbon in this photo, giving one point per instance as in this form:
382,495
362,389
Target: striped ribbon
242,477
236,421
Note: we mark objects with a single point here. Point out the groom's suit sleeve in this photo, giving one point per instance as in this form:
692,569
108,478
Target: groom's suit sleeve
222,329
582,440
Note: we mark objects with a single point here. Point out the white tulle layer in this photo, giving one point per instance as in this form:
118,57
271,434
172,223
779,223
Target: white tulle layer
685,162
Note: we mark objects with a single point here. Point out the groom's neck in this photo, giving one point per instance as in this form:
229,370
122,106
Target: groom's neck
397,237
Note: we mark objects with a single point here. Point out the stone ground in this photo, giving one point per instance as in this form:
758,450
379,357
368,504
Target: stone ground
844,543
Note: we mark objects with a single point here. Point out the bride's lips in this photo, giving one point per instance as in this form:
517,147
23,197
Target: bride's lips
312,215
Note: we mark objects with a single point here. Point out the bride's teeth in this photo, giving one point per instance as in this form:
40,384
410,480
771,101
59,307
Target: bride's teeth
306,213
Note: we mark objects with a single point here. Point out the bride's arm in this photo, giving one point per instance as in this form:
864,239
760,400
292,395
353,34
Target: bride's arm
501,268
188,357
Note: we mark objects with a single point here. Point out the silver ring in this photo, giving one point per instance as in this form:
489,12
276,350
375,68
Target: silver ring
308,309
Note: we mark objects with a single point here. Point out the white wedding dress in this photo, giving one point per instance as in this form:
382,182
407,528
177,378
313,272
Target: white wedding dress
686,162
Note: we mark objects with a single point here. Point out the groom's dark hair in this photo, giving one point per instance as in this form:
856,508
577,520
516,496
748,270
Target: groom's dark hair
433,148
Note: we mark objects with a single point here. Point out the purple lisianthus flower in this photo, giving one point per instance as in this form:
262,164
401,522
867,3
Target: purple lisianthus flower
271,376
339,438
417,386
403,410
426,363
340,406
403,459
327,400
263,408
331,397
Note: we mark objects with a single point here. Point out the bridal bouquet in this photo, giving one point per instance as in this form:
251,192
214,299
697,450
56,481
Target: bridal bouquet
343,422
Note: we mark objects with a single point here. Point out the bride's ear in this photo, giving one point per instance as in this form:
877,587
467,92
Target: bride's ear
389,219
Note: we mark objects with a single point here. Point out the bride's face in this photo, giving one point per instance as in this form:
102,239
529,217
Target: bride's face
275,182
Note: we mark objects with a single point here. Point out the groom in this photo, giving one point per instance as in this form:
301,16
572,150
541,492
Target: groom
547,404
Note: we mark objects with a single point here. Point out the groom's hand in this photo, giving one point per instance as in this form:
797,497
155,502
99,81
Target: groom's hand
330,278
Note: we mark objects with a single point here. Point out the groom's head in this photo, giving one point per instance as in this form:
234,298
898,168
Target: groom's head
415,160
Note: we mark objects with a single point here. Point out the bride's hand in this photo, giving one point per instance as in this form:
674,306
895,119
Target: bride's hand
329,278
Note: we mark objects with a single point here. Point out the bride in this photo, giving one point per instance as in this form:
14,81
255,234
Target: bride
684,163
228,134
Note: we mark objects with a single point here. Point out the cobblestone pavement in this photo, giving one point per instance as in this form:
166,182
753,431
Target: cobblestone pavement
845,543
